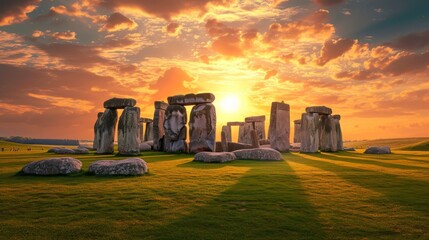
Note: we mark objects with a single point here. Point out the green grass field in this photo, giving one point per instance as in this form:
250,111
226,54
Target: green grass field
345,195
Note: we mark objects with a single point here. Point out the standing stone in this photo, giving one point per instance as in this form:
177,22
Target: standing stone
255,139
337,125
148,134
244,133
328,134
106,131
227,130
175,129
141,130
297,131
279,130
96,132
260,129
224,142
309,133
158,125
202,128
128,131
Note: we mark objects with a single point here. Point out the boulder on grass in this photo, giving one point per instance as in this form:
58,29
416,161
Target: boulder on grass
214,157
263,154
378,150
126,167
61,151
53,166
81,150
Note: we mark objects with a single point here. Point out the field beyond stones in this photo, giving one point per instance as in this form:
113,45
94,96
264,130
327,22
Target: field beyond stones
347,195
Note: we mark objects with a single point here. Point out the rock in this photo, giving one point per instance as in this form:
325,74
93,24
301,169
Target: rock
145,147
128,131
129,166
61,151
87,146
310,133
232,146
214,157
279,130
106,131
255,119
227,130
235,124
202,128
224,142
150,143
378,150
297,131
175,129
81,150
119,103
258,154
148,135
191,99
264,142
96,131
53,166
321,110
145,129
158,125
328,135
244,133
337,126
255,139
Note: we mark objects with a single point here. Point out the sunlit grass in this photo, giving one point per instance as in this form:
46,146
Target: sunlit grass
345,195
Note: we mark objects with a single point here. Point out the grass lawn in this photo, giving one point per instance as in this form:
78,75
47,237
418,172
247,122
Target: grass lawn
345,195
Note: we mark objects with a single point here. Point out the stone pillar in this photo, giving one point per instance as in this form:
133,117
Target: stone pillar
96,132
260,129
128,131
337,125
224,141
227,130
328,134
244,133
158,125
148,134
175,129
141,130
297,131
106,131
255,138
279,130
309,133
202,128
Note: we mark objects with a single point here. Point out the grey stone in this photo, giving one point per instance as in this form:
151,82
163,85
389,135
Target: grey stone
129,166
175,129
160,105
128,131
244,133
148,135
119,103
297,131
264,142
224,142
232,146
144,146
214,157
235,124
62,151
255,139
255,119
227,130
202,128
106,131
191,99
158,125
96,131
337,125
268,154
260,129
141,130
378,150
321,110
53,166
279,130
328,135
309,133
81,150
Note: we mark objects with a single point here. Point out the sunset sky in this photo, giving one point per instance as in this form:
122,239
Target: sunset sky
366,59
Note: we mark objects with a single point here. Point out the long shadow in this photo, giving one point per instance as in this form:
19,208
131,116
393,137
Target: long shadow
410,193
268,202
356,159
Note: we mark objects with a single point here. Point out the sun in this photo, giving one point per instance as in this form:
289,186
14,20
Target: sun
229,103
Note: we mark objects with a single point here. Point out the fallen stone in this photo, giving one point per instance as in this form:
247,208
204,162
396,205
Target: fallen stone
321,110
214,157
255,119
349,149
61,151
191,99
263,154
120,103
81,150
145,147
53,166
128,167
378,150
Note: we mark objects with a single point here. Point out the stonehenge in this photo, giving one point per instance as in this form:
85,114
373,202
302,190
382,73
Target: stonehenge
279,130
202,128
309,133
128,131
158,125
175,129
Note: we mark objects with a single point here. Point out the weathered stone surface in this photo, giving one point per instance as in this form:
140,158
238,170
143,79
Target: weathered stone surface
328,135
128,131
232,146
279,130
235,124
214,157
158,125
81,150
337,125
202,128
255,139
53,166
224,142
129,166
106,131
61,151
260,129
264,142
255,119
297,131
119,103
145,147
227,130
258,154
191,99
321,110
244,133
141,130
309,133
175,129
148,134
378,150
150,142
96,132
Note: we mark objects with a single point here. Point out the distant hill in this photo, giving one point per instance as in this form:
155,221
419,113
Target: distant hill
412,144
42,141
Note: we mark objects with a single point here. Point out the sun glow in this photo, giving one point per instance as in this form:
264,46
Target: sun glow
229,103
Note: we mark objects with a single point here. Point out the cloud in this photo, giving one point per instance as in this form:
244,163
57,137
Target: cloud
173,29
118,22
80,9
63,35
333,49
328,3
172,82
411,63
15,11
412,41
270,73
37,33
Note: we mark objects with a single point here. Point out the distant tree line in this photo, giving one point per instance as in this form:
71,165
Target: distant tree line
26,140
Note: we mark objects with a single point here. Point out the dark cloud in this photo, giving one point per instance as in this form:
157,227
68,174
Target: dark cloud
328,3
414,62
15,11
172,28
334,48
118,22
412,41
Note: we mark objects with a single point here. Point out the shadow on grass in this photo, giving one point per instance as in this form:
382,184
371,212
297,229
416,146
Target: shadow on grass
410,193
268,202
